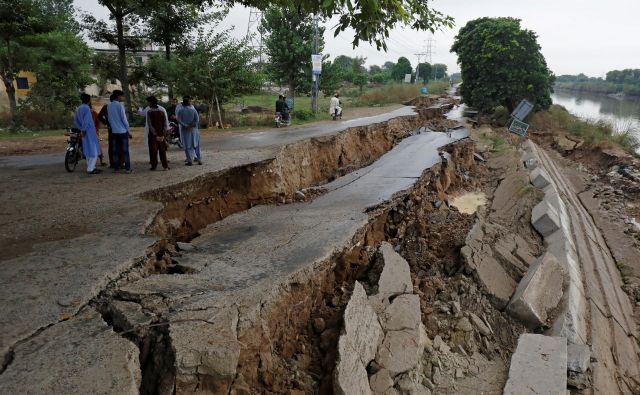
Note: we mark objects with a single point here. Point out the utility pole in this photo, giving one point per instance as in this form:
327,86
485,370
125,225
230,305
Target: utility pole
315,78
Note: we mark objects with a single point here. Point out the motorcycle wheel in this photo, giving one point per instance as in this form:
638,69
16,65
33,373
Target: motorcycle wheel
71,161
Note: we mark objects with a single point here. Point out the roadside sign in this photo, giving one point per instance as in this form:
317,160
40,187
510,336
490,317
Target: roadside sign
316,64
523,109
407,78
518,127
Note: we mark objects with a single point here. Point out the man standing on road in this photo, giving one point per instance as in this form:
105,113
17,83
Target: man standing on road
119,130
83,121
104,119
156,126
189,120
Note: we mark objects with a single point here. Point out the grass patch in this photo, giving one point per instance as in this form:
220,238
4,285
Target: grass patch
27,134
592,131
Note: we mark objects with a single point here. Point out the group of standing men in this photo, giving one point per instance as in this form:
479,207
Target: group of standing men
114,116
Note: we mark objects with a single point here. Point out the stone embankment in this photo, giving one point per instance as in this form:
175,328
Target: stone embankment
573,292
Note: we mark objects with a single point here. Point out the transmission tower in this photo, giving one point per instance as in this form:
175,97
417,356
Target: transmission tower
254,33
427,53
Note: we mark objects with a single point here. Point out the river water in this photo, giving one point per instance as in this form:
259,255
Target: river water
623,113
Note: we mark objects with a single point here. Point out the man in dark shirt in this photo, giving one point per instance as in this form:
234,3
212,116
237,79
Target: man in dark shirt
282,107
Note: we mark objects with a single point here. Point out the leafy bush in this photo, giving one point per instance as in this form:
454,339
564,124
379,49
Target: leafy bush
41,120
500,116
303,115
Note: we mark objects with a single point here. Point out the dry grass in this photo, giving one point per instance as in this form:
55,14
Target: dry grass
592,131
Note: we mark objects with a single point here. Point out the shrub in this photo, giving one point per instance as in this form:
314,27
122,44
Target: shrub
500,116
393,93
303,115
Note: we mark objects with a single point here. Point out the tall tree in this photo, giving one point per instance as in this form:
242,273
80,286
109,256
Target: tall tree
401,68
424,72
216,69
60,61
125,35
20,23
289,45
169,23
501,63
439,71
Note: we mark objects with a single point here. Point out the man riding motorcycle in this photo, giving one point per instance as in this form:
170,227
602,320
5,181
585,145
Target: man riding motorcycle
283,108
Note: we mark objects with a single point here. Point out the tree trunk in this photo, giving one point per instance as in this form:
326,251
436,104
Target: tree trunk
292,87
122,60
11,94
219,112
7,79
210,116
167,54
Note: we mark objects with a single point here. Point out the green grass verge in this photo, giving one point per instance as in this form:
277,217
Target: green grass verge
7,134
591,131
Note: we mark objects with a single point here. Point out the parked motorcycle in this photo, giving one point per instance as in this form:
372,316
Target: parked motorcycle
283,119
337,114
74,149
173,135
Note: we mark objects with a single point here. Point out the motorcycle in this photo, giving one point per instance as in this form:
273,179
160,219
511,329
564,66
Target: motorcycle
74,149
173,135
282,119
337,114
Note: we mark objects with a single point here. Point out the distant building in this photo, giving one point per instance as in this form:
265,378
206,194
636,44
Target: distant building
23,84
140,58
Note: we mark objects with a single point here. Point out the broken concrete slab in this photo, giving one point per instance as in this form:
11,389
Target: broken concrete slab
545,218
350,375
538,366
362,331
79,356
402,313
400,351
491,274
540,178
395,278
539,292
578,357
381,382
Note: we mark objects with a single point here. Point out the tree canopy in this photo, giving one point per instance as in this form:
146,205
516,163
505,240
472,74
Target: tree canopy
371,21
501,64
289,45
401,68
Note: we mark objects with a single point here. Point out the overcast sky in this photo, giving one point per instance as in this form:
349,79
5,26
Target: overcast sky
577,36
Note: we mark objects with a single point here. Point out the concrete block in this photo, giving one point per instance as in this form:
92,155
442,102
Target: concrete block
350,376
363,332
545,219
381,382
538,366
395,278
401,351
403,313
539,292
540,178
578,357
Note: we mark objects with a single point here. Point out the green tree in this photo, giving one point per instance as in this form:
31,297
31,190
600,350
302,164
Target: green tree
216,69
344,67
424,72
289,45
21,21
401,68
169,23
439,71
501,64
373,70
330,80
124,33
60,61
370,20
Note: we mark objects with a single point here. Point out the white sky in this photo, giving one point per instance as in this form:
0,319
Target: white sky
577,36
